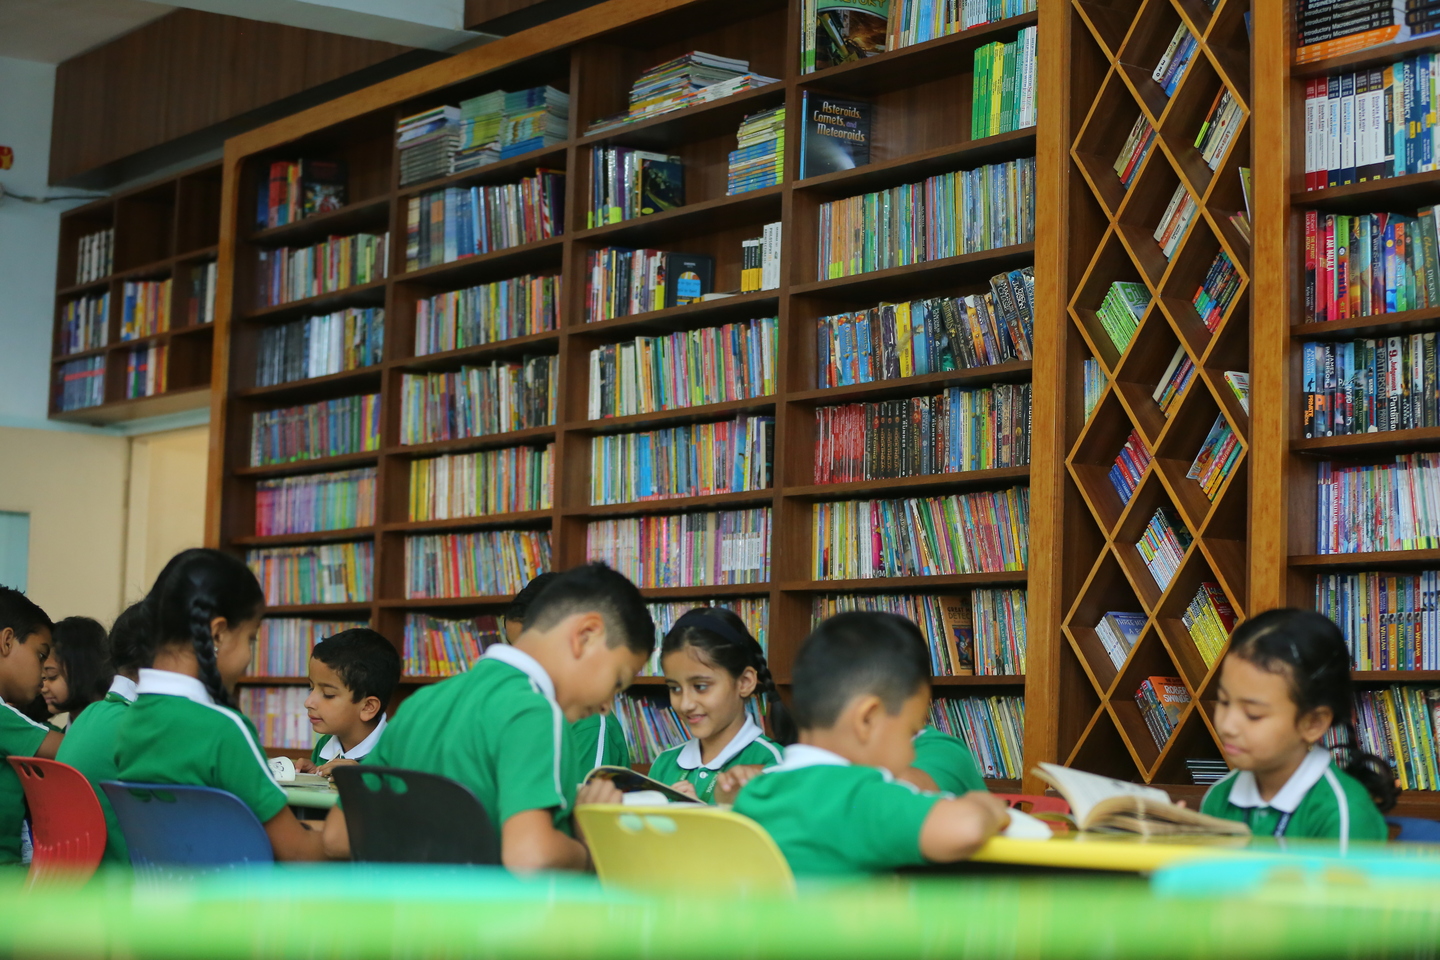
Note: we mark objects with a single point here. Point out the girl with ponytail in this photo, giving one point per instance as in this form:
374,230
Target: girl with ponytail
204,612
1284,686
713,666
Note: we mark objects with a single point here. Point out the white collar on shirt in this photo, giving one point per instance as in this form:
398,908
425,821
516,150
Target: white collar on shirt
689,756
798,756
331,750
1246,793
171,684
525,663
123,686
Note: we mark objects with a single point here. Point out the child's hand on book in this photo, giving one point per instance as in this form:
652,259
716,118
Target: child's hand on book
328,770
728,786
599,791
687,788
303,765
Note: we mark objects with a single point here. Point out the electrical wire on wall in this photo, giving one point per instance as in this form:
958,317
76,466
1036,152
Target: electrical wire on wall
8,194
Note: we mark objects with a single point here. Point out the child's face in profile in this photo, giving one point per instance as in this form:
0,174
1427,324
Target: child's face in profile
234,645
21,665
331,705
1257,719
595,675
53,685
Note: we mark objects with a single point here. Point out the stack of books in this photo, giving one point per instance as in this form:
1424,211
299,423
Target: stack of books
1134,151
145,309
1119,631
1399,724
487,313
476,401
433,647
201,306
1390,618
684,369
1177,376
95,256
319,573
1387,506
687,80
448,225
1219,129
1162,546
482,563
685,550
318,346
1003,97
1332,29
1361,266
992,727
1209,618
1095,380
1129,466
85,323
651,727
758,160
330,428
912,21
292,190
1216,459
1175,221
486,482
535,119
80,383
279,716
626,183
696,460
920,536
145,371
315,502
1217,291
285,274
480,120
760,260
1162,700
622,282
1120,311
1176,58
1204,773
283,644
427,142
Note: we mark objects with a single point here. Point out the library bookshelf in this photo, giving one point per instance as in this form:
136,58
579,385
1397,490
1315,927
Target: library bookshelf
922,102
162,230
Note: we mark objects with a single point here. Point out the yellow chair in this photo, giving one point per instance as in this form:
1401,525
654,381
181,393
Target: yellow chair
667,848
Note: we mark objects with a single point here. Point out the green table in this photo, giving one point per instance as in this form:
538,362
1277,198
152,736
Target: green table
314,798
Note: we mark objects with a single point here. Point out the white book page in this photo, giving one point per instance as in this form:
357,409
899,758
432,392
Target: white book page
1084,790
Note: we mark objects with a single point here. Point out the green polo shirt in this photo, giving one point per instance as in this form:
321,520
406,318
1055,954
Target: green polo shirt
749,745
948,761
174,733
19,737
1319,801
599,741
496,729
831,817
89,746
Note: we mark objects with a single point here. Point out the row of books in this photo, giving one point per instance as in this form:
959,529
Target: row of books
1335,29
693,78
1134,151
1209,618
1175,222
80,384
318,573
1161,701
913,21
1002,97
1118,632
1094,380
760,260
279,716
980,429
1001,630
1390,618
685,550
487,313
1120,310
1402,725
291,190
200,308
458,222
146,372
695,460
436,647
1371,385
1129,467
1370,124
330,428
482,563
1177,56
621,282
144,308
992,727
1162,546
626,183
1218,130
983,532
509,480
283,644
929,336
318,346
946,215
735,361
477,401
1370,264
315,502
1387,506
284,274
85,323
95,256
758,160
651,727
1216,458
1217,291
755,611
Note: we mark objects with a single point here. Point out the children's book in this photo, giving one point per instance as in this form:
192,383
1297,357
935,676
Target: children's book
322,186
688,277
1104,805
662,185
284,770
959,634
639,789
848,30
834,135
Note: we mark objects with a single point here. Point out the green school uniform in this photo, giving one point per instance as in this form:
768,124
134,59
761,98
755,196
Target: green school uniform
749,745
948,761
829,816
1319,800
599,741
328,747
19,737
89,746
496,729
175,733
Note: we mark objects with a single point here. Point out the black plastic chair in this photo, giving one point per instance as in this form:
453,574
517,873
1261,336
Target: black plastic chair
405,816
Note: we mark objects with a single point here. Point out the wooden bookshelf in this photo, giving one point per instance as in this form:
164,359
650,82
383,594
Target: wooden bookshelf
163,230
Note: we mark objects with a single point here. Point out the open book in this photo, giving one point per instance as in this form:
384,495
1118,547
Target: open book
285,774
1115,806
639,789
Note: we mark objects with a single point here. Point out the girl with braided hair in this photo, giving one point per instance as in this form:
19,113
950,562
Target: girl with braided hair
712,667
205,610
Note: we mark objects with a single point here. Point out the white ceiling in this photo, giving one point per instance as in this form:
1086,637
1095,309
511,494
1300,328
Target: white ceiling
50,31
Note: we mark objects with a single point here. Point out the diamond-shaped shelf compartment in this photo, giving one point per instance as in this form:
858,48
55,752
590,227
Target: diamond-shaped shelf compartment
1150,658
1201,93
1109,21
1094,456
1102,750
1110,264
1150,496
1197,14
1147,367
1228,40
1144,47
1194,262
1185,441
1229,353
1226,202
1149,201
1170,618
1106,590
1222,540
1193,739
1102,139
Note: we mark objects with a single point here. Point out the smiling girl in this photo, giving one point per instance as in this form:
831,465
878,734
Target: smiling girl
713,666
1284,684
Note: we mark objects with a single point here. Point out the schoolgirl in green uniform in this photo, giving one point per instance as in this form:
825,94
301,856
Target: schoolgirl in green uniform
24,648
713,666
1286,683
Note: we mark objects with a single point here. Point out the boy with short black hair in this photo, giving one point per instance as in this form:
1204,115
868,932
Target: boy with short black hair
24,648
861,692
501,728
352,677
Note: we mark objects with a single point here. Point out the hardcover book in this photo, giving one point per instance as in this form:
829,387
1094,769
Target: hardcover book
836,134
688,277
662,185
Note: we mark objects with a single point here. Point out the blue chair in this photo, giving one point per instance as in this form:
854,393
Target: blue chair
1415,829
172,825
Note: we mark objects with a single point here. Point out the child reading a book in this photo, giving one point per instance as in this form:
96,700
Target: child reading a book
353,675
834,806
501,728
24,648
713,666
206,608
1284,685
78,671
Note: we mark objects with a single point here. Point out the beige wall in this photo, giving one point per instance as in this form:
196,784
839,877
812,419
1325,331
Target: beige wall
167,503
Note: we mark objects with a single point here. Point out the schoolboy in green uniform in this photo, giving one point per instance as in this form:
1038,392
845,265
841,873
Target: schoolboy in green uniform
861,693
945,763
24,648
352,676
501,728
89,744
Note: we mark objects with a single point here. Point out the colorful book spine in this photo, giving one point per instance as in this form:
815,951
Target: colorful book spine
95,256
1364,125
685,550
1134,151
1399,724
691,461
755,611
1161,700
685,369
435,647
1218,130
1390,618
279,716
758,161
478,401
144,308
651,727
1366,265
85,323
1095,380
913,21
760,260
1384,507
318,346
286,274
486,482
1217,291
1175,221
1216,460
1173,382
484,563
1003,86
1209,618
1129,467
319,573
488,313
146,371
80,384
992,727
1370,386
283,644
1162,546
1120,311
316,502
443,226
1176,58
330,428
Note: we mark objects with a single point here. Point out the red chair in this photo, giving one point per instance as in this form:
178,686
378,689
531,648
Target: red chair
66,821
1034,804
